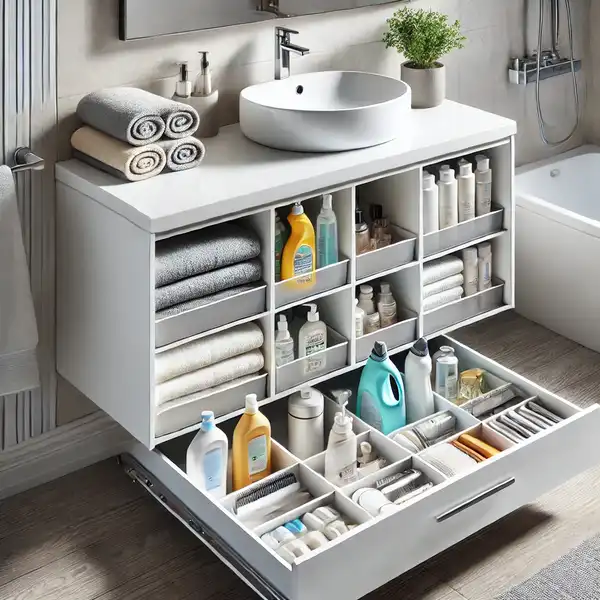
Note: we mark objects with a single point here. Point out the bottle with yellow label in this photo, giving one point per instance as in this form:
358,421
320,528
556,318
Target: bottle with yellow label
251,446
299,256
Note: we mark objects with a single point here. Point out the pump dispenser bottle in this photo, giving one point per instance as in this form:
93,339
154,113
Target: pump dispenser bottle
284,344
183,87
312,337
205,99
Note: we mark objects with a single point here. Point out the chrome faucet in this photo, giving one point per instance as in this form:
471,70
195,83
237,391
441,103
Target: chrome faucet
283,48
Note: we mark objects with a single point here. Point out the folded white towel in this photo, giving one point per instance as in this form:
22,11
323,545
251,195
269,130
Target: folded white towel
18,328
211,376
443,284
206,351
441,268
442,298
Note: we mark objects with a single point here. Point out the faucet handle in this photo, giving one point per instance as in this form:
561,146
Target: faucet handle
285,31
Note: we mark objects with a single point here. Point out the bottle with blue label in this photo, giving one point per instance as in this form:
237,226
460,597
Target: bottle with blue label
378,404
206,459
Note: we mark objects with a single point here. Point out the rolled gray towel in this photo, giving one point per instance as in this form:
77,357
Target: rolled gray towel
180,119
207,283
204,250
183,154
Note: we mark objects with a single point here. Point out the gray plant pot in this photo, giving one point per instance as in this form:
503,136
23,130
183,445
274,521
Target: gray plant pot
428,85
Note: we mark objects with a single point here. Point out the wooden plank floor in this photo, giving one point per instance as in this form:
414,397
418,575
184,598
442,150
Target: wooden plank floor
96,535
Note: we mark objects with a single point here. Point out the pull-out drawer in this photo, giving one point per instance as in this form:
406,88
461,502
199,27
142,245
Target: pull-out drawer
453,509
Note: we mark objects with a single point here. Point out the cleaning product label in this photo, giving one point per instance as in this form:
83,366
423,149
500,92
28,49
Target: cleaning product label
388,315
212,469
348,474
303,262
284,354
257,455
316,342
483,198
369,413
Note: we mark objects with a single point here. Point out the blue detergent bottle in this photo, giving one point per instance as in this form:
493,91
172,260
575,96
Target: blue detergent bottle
377,403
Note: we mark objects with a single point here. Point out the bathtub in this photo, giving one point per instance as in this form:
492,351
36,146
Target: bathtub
558,244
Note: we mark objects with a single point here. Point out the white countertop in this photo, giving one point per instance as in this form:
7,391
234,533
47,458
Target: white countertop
238,175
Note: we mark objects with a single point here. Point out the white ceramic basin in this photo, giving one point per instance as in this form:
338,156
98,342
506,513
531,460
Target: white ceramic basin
325,112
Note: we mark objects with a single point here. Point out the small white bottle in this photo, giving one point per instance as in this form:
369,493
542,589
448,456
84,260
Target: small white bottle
206,458
284,344
466,192
483,185
448,194
446,377
443,351
372,321
327,234
386,306
471,272
431,214
341,456
359,320
485,266
183,87
205,99
417,382
306,434
312,338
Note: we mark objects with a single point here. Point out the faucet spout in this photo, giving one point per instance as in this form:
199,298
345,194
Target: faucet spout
283,49
300,50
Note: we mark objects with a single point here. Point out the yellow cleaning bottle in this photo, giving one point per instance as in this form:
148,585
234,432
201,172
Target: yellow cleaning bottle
299,256
251,446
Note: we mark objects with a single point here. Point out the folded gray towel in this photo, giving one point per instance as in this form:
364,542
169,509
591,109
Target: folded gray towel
209,377
207,283
136,116
204,250
198,302
183,154
207,351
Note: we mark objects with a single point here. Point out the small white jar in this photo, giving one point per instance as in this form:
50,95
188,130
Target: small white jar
306,423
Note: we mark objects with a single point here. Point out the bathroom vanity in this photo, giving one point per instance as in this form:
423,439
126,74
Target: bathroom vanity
108,337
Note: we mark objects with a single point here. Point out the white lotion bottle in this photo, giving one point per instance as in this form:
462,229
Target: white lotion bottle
312,339
306,433
483,185
386,305
417,382
485,266
205,99
448,198
341,466
372,321
431,214
206,458
284,344
359,320
471,272
466,192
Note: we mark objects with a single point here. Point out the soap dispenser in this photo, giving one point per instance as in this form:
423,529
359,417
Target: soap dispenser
341,456
183,87
312,337
205,99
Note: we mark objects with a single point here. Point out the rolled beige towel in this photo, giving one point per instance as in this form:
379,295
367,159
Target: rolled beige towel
133,163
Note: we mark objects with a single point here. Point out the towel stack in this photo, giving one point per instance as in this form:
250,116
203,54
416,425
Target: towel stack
443,281
135,135
208,364
204,266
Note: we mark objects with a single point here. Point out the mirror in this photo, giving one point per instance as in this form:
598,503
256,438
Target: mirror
150,18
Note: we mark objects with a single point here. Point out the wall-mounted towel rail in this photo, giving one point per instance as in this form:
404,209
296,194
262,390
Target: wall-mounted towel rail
26,160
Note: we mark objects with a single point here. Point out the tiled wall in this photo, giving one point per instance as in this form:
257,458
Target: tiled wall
90,56
592,113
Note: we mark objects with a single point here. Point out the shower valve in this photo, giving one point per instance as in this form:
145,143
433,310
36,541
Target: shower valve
522,71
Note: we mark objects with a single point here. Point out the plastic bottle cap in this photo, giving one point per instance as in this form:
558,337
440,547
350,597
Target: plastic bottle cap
366,290
358,217
484,249
380,350
466,169
342,423
251,404
308,404
313,315
469,254
208,420
447,349
297,209
385,288
420,348
327,201
446,175
428,180
483,162
282,325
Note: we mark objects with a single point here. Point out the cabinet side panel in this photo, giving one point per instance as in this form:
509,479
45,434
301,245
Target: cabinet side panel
105,310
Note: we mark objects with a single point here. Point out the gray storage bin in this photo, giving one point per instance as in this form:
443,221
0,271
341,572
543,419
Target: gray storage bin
178,414
463,233
198,320
316,365
323,280
460,310
403,332
399,253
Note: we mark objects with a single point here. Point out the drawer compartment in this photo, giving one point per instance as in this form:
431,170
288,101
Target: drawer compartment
212,316
399,253
322,280
463,233
461,310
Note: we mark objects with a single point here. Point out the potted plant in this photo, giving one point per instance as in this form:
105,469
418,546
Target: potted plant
423,36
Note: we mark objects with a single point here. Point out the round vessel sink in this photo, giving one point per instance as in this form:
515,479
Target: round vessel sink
325,112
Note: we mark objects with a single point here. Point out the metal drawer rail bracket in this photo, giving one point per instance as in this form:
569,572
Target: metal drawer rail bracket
202,531
475,500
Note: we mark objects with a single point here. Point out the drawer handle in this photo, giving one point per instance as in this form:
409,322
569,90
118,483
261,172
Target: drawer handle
475,500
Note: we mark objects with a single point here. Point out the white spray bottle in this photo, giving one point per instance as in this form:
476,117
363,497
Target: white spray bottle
341,456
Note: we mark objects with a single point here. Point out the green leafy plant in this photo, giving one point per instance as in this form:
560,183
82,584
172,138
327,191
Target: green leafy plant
423,36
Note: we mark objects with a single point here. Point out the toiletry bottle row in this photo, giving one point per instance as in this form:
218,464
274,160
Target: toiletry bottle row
456,199
312,339
373,238
477,262
370,318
